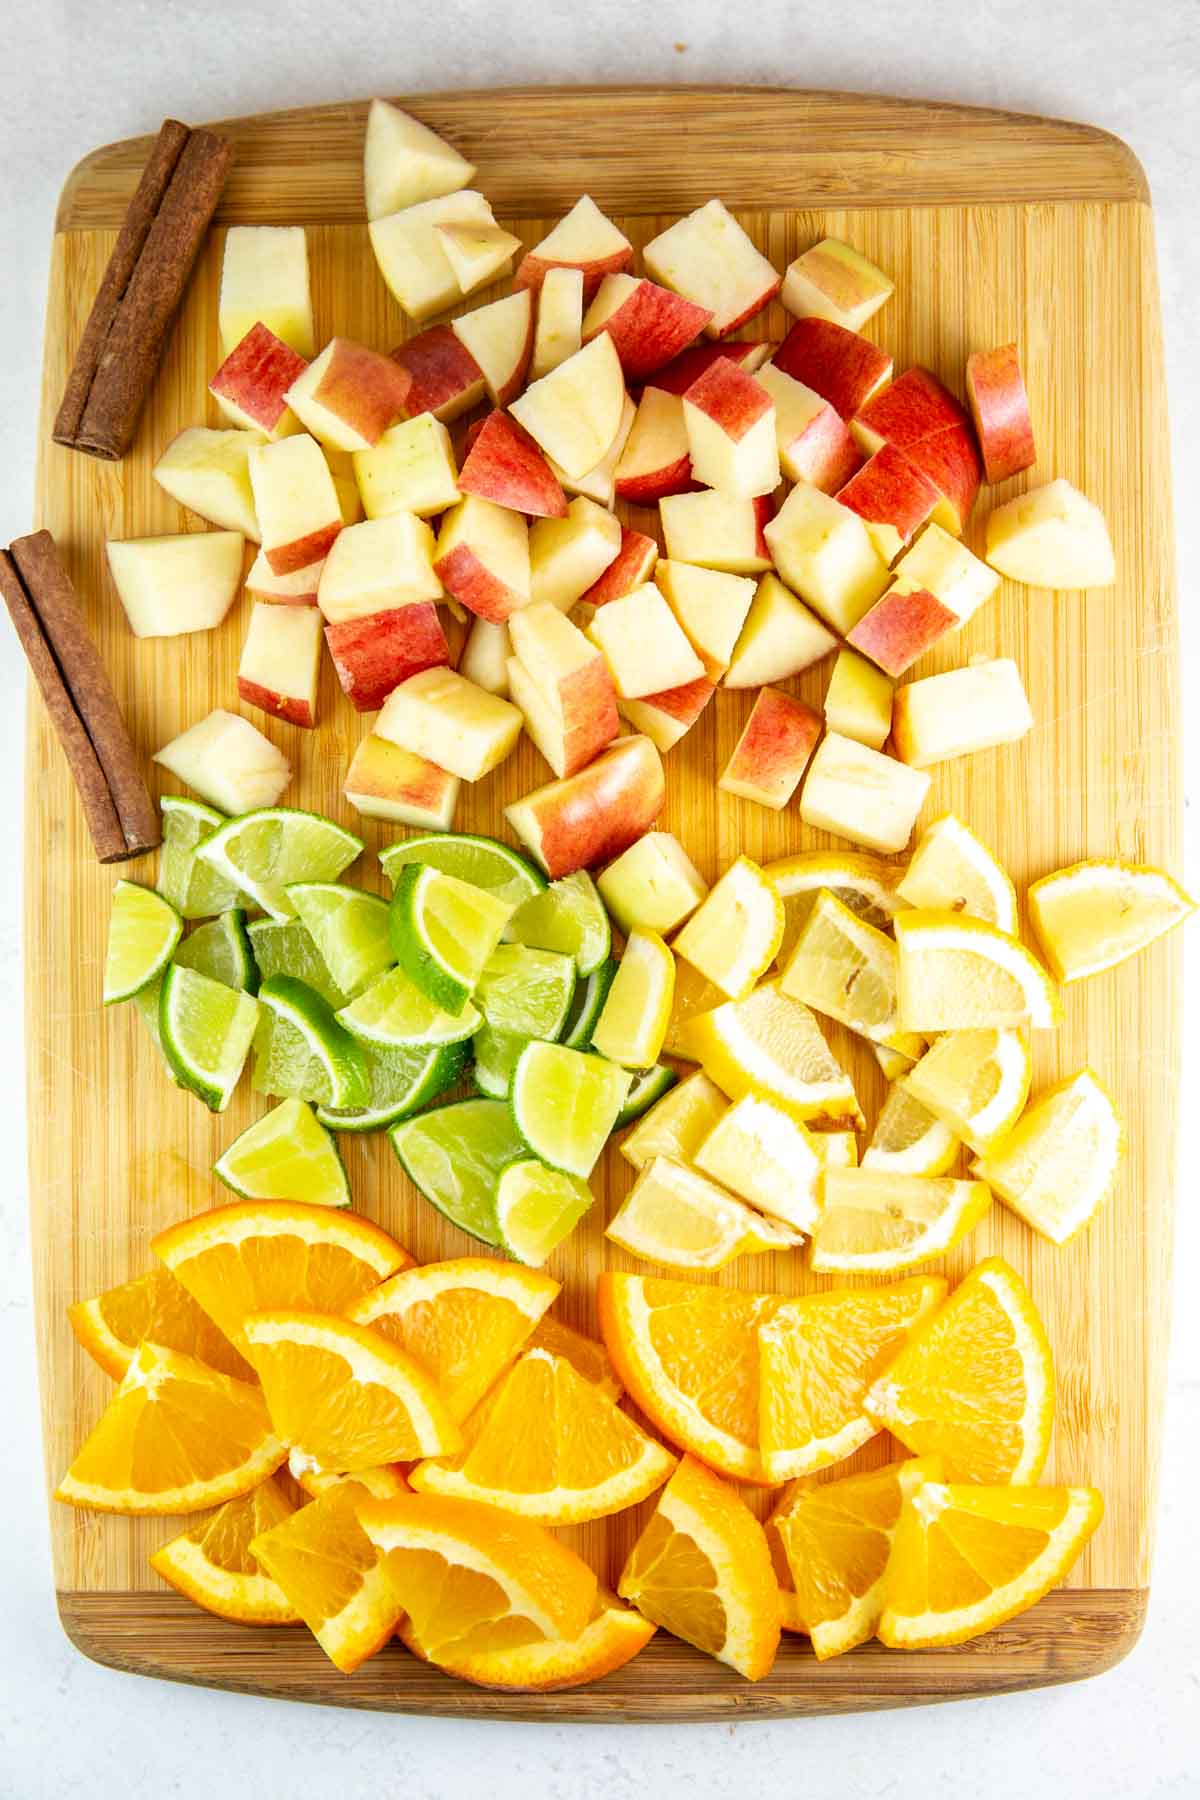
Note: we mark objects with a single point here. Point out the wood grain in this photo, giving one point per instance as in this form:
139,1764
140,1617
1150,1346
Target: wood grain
117,1152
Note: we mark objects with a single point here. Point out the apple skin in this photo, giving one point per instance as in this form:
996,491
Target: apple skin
892,493
562,684
280,706
385,782
900,627
591,817
504,465
1000,408
280,663
912,407
465,575
666,717
677,376
656,461
251,384
841,366
583,239
773,751
375,654
950,460
814,444
445,378
648,324
502,334
350,395
632,566
730,420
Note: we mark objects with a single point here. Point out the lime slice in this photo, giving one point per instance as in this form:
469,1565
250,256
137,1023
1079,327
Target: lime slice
482,861
146,1002
569,917
307,1055
526,992
143,930
537,1207
349,928
565,1104
286,1156
443,931
588,1003
402,1082
496,1055
265,851
647,1087
195,891
221,950
455,1155
207,1029
284,947
395,1012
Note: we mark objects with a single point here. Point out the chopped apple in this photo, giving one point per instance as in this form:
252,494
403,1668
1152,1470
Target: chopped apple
824,551
440,710
297,589
730,422
593,816
773,751
412,257
559,329
411,469
654,886
920,416
385,782
575,412
633,564
500,339
648,324
1000,408
482,558
1052,537
172,585
445,378
779,638
504,465
814,444
711,606
717,531
903,623
281,662
477,253
951,461
264,281
375,653
666,717
892,498
568,556
228,762
709,259
656,460
349,396
209,472
837,364
600,483
960,711
583,240
345,486
644,644
677,376
858,700
833,281
376,565
404,162
860,794
563,685
251,385
485,655
946,568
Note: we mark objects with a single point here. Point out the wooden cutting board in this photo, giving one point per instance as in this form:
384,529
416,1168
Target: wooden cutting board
994,227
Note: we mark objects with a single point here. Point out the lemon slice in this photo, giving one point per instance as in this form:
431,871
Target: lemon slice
975,1082
866,884
952,871
634,1020
898,1054
957,974
675,1216
677,1124
734,934
835,1149
1061,1161
874,1222
908,1138
845,968
769,1044
1094,915
759,1152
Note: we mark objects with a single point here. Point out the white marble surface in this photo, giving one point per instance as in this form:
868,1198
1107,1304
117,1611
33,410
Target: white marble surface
82,74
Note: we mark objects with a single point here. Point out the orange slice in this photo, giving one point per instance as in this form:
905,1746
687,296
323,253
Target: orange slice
552,1448
967,1558
175,1436
345,1395
585,1355
702,1570
610,1639
331,1573
211,1562
463,1321
256,1255
817,1357
156,1306
975,1382
381,1482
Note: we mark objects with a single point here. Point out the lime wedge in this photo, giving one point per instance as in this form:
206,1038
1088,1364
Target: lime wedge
455,1155
566,1104
265,851
569,917
286,1156
307,1055
284,947
221,950
526,992
195,891
395,1012
482,861
143,930
207,1029
496,1055
588,1003
349,928
647,1087
146,1002
402,1082
537,1207
443,931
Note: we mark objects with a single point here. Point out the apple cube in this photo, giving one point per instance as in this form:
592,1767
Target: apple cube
1000,408
297,589
904,623
654,886
833,281
482,558
575,412
730,422
281,662
411,469
668,716
633,564
299,514
562,684
645,645
374,654
858,700
499,338
717,531
559,329
251,385
1052,537
209,473
600,483
264,281
349,396
813,441
963,710
710,260
779,638
411,254
591,817
377,565
773,751
892,497
477,253
228,762
485,655
345,486
677,376
860,794
951,461
584,239
919,415
656,460
824,551
444,377
837,364
946,568
172,585
404,162
567,556
648,324
439,710
504,465
711,606
385,782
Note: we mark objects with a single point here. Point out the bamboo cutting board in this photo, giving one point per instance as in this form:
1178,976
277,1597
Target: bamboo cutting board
994,227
